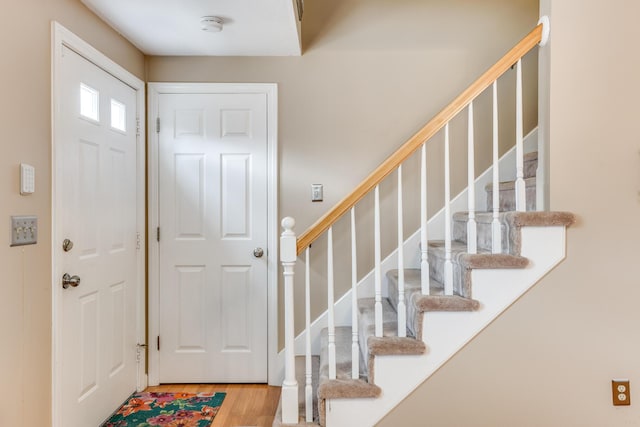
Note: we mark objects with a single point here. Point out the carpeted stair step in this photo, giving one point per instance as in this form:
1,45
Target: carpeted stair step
464,262
511,224
507,188
343,387
508,195
530,164
389,343
417,304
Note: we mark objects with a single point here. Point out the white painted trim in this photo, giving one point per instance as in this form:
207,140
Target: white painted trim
271,90
60,36
546,30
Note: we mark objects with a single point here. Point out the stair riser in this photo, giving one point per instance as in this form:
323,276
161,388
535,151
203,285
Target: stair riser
366,327
411,313
530,166
508,199
485,235
461,277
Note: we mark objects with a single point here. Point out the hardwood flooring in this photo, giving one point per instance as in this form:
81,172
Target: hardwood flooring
245,404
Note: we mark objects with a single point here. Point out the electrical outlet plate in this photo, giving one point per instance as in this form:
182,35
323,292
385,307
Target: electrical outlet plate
24,230
621,392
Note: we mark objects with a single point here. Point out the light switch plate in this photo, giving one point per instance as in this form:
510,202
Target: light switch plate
316,193
24,230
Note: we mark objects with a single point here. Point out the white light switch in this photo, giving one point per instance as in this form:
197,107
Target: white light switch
316,192
27,179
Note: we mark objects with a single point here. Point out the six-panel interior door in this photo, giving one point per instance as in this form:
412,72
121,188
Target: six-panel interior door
96,173
213,225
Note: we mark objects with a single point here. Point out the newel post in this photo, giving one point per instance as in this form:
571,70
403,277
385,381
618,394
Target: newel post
288,255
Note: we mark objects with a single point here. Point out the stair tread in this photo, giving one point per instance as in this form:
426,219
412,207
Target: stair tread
389,343
436,300
413,279
366,311
510,185
483,259
531,156
510,226
343,386
521,219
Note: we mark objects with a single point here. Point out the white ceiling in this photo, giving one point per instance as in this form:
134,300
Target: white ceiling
172,27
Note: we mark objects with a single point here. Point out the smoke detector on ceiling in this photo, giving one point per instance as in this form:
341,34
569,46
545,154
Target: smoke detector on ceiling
212,24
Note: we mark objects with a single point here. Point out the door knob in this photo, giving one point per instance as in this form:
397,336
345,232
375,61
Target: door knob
72,281
67,245
258,252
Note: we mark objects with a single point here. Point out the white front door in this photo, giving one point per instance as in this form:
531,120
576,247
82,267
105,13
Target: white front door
95,199
212,227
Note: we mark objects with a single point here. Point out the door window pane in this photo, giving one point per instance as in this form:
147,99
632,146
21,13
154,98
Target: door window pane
89,100
118,115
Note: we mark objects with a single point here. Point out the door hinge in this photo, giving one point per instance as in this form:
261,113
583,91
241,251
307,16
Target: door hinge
158,342
158,234
138,241
157,124
137,126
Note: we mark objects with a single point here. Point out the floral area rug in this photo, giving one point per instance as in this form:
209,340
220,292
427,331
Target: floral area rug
167,409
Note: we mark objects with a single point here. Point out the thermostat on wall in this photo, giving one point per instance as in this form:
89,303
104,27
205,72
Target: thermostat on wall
27,179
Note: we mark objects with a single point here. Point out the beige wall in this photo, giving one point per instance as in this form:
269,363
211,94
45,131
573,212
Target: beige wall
25,116
549,360
372,73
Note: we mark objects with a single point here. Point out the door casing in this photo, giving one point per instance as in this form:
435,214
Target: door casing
154,91
60,36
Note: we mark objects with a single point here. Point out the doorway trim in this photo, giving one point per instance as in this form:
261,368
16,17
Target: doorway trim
61,37
156,89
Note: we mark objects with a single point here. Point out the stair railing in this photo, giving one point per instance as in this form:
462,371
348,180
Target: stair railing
291,247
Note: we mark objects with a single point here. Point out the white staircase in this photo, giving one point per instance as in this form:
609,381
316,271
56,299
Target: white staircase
428,298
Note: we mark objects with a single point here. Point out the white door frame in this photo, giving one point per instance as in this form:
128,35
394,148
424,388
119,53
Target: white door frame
271,90
60,37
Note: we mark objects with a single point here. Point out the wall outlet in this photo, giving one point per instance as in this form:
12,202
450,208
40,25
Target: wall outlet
621,392
24,230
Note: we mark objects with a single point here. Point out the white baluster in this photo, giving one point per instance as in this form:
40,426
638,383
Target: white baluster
448,266
541,173
355,346
521,191
331,348
496,232
472,239
424,243
402,308
288,254
308,389
377,261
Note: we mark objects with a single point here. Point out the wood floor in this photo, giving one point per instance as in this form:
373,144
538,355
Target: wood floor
245,404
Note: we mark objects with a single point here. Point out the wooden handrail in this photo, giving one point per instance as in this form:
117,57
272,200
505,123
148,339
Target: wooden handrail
421,137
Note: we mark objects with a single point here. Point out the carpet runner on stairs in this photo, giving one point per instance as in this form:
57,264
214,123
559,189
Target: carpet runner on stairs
507,195
511,224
